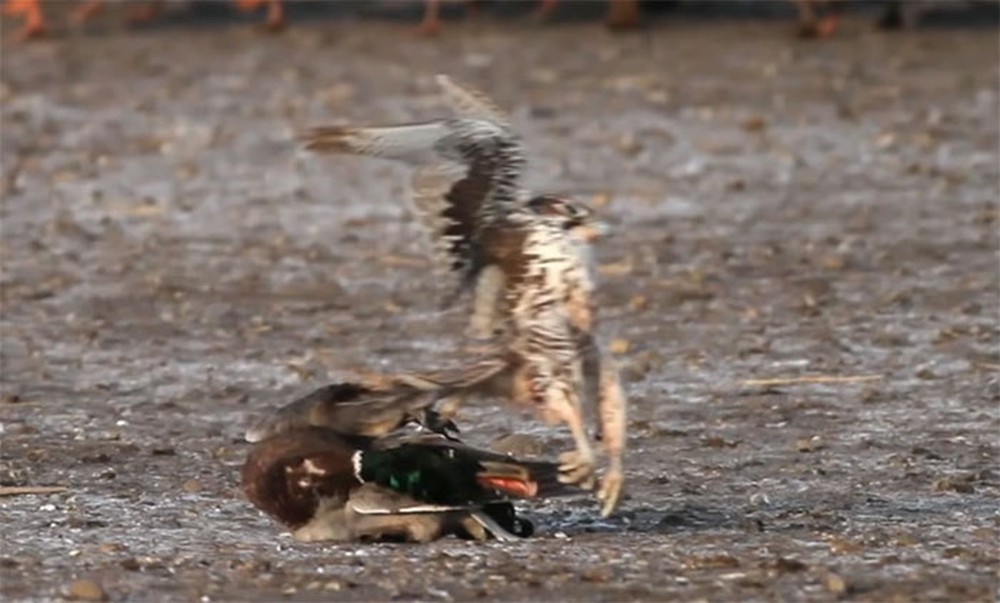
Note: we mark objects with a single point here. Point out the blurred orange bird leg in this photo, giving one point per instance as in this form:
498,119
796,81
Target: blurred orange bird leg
812,27
34,19
146,12
275,11
87,11
622,14
545,9
138,14
431,25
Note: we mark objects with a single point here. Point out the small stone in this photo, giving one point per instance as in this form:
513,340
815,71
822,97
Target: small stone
86,590
785,565
809,444
10,399
628,145
131,564
596,574
191,486
835,584
843,546
954,484
620,346
834,262
720,561
110,547
638,302
754,123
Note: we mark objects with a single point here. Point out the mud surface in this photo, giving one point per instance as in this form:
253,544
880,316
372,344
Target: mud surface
172,266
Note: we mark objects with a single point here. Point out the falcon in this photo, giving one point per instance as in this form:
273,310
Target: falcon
526,256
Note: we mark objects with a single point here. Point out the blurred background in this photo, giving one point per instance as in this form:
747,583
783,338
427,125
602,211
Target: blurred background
801,288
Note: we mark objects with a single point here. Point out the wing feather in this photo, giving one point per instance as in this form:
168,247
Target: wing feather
467,176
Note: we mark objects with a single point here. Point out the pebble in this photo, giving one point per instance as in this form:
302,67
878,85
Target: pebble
191,486
835,584
86,590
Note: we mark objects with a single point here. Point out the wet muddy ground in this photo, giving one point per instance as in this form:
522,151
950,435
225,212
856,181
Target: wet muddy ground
783,211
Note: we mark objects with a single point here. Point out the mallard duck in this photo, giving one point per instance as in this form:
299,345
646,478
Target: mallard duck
526,256
325,485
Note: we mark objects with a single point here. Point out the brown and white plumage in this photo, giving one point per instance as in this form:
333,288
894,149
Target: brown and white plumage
526,256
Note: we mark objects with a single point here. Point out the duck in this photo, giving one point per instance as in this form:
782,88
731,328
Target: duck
525,256
375,405
324,485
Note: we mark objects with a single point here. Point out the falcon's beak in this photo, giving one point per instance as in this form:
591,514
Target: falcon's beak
594,230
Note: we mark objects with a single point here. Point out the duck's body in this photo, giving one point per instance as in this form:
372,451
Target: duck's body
324,485
526,256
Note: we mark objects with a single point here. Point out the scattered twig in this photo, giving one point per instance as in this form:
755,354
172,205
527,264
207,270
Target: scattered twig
19,490
810,379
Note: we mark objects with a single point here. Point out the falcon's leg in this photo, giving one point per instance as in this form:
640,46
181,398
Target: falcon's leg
576,466
489,286
431,25
612,409
590,354
34,19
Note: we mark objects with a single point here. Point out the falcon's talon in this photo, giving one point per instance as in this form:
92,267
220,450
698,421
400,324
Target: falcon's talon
576,468
611,490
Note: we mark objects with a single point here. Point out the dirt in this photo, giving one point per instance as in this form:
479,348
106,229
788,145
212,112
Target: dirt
802,283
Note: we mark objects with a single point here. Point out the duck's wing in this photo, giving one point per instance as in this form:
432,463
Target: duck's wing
349,408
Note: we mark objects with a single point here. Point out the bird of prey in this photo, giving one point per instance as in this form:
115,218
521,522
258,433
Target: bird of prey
326,485
527,257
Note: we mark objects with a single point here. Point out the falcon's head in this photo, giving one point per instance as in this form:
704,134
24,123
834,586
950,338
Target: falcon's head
572,216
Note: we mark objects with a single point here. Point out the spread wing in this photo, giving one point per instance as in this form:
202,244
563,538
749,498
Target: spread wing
472,104
466,178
